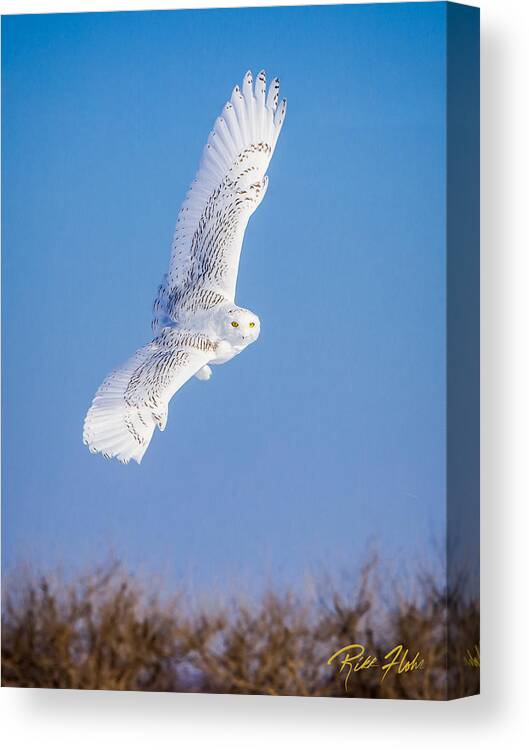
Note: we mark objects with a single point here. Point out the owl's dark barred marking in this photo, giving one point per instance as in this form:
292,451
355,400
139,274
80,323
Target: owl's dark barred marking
196,321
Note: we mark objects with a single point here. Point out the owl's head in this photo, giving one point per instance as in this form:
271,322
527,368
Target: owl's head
241,326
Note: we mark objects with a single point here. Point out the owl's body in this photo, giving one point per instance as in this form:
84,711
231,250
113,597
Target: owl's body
196,320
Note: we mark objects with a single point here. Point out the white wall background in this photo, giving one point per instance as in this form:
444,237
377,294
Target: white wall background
500,716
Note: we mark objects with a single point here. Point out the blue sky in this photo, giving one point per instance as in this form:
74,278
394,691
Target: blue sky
328,434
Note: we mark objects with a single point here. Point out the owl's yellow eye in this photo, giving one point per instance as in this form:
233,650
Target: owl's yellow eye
252,324
234,324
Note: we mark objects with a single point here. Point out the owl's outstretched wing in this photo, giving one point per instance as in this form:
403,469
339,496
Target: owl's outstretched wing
228,187
134,398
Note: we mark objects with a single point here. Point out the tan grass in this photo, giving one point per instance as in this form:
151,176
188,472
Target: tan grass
105,631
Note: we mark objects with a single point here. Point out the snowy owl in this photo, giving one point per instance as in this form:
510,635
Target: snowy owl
196,322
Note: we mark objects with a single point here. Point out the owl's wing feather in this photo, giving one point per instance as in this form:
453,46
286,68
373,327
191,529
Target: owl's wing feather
228,187
134,398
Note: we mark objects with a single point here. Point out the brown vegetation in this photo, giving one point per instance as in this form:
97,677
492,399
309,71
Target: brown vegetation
103,632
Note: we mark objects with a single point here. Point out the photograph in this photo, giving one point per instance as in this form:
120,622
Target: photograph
241,351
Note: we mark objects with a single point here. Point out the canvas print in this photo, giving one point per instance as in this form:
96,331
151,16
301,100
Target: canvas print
308,522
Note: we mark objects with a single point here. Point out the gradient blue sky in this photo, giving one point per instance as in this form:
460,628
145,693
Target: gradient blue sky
326,435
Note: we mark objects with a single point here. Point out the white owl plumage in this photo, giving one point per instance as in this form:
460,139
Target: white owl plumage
196,321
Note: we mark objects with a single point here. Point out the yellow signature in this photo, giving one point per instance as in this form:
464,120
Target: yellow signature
471,658
355,659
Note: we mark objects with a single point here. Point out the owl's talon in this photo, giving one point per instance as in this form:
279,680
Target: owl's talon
204,373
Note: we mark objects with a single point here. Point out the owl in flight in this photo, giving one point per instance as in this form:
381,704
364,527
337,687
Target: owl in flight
196,322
